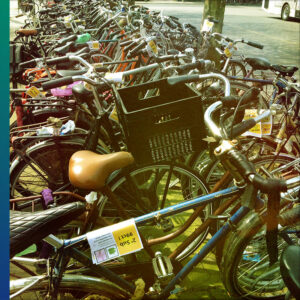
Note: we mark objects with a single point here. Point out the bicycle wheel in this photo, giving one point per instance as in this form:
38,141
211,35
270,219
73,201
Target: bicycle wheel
71,287
236,68
45,166
263,165
245,268
148,188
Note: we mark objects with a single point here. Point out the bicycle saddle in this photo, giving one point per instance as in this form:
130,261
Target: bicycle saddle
258,63
27,32
27,228
290,269
65,48
65,73
89,170
285,70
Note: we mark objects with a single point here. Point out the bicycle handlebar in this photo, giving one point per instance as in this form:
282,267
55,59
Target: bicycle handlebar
57,83
247,170
252,44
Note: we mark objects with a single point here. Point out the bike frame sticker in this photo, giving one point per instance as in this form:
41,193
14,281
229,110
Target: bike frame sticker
113,241
262,128
34,92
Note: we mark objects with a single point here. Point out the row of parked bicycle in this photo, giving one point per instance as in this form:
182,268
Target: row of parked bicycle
136,140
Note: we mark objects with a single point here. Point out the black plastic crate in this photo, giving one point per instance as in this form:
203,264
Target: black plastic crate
162,125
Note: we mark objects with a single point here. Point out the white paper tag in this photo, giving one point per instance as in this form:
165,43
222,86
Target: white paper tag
262,128
114,77
94,45
114,241
91,197
207,26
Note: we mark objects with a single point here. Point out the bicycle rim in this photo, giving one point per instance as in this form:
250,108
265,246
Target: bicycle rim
71,287
157,186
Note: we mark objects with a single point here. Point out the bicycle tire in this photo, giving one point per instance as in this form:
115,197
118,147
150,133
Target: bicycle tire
236,68
259,162
71,287
245,272
147,184
50,160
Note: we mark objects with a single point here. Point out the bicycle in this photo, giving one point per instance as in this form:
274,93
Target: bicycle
225,150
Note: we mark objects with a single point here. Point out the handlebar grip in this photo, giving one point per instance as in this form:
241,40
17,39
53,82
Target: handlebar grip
101,69
125,43
182,78
129,46
241,128
269,185
221,36
58,60
134,51
28,64
57,83
230,101
70,38
196,65
255,45
166,58
171,24
212,19
246,168
250,96
105,24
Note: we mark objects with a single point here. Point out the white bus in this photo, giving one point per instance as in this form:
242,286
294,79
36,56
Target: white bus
283,8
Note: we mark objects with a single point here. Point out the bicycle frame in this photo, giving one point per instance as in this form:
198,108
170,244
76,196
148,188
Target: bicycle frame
70,245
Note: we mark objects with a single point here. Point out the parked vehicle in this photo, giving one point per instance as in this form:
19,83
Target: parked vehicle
283,8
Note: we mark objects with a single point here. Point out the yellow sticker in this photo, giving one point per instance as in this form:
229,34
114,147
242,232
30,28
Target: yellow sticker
114,115
153,47
127,239
87,86
33,92
227,52
95,45
262,128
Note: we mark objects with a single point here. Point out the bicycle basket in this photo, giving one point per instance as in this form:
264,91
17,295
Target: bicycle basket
159,121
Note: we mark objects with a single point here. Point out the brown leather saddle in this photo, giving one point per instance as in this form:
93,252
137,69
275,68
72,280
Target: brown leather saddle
89,170
27,32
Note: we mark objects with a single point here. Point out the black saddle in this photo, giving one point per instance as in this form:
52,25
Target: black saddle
69,46
290,269
27,228
285,70
258,63
65,73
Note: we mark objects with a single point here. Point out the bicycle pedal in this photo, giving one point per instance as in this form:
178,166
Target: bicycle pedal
166,225
163,268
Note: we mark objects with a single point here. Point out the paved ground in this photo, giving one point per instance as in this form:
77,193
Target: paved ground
281,39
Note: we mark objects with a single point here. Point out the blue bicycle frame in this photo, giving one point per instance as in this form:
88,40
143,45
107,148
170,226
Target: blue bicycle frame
172,210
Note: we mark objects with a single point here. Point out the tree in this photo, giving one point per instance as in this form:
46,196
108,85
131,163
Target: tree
215,9
131,2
